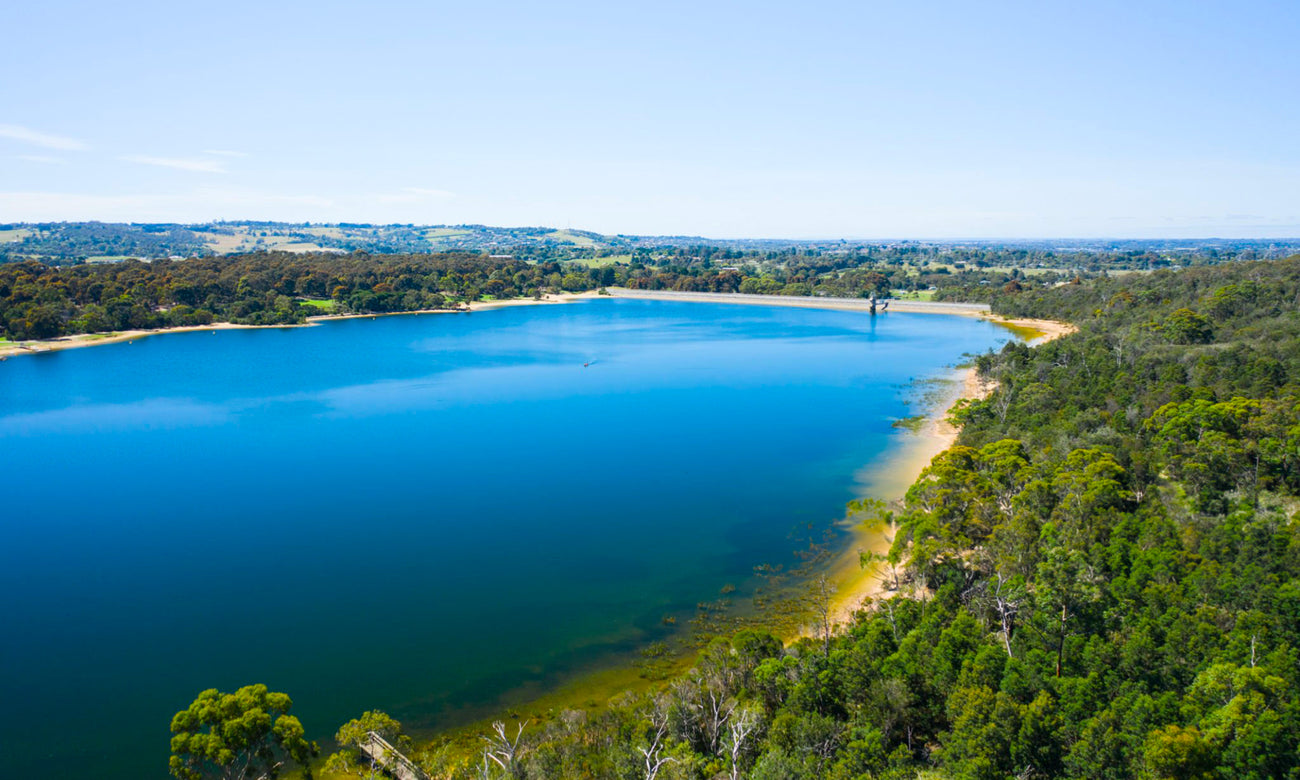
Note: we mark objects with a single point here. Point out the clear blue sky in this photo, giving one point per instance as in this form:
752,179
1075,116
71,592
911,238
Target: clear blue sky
798,120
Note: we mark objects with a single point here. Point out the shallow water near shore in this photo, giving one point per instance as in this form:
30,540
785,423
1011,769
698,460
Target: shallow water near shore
430,515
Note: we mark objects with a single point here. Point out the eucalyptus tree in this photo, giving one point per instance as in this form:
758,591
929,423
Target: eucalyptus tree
245,735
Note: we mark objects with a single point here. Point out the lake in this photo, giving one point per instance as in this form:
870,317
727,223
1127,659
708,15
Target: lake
432,515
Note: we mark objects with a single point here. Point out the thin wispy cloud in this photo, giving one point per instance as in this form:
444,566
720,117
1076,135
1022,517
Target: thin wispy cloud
198,165
432,193
197,205
235,198
40,158
413,195
225,153
28,135
36,206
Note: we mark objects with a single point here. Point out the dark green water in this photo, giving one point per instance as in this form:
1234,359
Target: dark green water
423,514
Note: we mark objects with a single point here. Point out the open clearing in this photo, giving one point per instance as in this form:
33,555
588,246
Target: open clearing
601,262
916,295
324,232
564,236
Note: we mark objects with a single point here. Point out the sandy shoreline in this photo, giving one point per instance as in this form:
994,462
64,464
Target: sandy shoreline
117,337
1047,330
890,481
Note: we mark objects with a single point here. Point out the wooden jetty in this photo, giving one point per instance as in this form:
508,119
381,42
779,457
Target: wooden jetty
389,759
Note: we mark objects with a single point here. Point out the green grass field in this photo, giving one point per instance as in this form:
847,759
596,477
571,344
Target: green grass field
919,295
601,262
914,270
14,234
324,304
445,232
565,237
245,240
325,232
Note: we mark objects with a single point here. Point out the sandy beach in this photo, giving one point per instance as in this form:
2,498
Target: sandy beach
1045,330
889,482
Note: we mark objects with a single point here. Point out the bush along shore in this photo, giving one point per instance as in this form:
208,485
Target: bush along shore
1101,579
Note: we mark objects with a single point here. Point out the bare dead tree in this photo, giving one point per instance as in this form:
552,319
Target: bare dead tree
484,770
654,758
1007,600
1002,402
503,750
718,709
888,605
705,705
744,723
822,596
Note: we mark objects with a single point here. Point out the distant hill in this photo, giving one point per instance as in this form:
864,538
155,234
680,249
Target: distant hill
63,242
103,241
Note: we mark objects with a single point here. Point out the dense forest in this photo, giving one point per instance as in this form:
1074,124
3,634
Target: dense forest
1100,580
39,301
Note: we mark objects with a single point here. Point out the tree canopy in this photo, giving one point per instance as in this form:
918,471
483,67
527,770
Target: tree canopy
245,735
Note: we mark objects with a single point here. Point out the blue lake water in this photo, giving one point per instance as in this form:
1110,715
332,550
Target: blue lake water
421,514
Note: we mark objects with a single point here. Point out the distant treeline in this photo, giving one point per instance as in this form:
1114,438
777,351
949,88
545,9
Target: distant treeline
40,301
968,276
75,241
